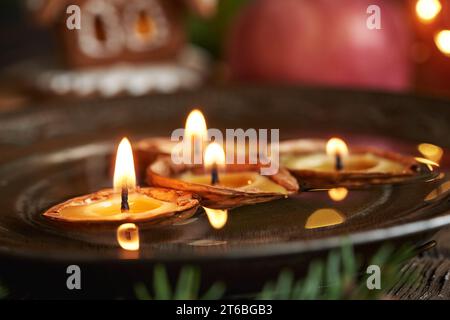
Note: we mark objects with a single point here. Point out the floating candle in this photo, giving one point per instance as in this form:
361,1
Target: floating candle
337,148
191,150
318,164
238,184
125,202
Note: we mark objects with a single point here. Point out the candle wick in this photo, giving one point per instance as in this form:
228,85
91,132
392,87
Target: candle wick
214,175
338,163
124,206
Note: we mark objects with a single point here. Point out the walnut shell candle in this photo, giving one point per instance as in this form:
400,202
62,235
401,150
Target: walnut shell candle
309,162
240,184
145,204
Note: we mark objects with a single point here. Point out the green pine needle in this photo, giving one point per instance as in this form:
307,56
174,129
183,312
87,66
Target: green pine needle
340,276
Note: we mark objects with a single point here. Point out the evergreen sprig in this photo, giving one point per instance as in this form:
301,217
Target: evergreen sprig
340,276
186,288
4,292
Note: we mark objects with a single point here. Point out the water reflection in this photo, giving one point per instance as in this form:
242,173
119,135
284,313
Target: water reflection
128,236
338,194
324,218
442,189
207,243
431,151
429,163
217,218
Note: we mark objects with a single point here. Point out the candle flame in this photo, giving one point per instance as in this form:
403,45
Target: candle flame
214,154
217,218
128,236
338,194
124,173
427,10
196,126
429,163
336,146
442,40
431,151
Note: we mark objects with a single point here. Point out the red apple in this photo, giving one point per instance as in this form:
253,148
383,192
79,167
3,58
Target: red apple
321,42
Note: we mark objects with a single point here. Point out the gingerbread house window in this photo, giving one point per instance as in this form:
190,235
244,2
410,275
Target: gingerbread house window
101,34
146,25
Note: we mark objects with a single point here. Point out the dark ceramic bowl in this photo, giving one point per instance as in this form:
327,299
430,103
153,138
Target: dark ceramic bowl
54,152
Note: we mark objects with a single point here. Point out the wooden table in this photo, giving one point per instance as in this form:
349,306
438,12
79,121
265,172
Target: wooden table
427,277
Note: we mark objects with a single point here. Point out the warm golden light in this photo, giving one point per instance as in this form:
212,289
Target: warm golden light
442,189
196,126
429,163
427,10
128,236
217,218
338,194
431,151
124,173
195,135
214,154
324,218
337,146
442,40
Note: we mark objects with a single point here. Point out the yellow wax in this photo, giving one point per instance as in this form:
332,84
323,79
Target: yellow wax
109,209
324,218
244,181
367,162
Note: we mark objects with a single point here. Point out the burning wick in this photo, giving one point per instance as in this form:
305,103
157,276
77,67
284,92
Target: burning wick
124,174
124,206
337,148
338,162
214,175
214,156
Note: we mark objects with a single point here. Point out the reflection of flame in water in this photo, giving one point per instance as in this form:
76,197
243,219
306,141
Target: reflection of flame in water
431,151
217,218
429,163
128,236
324,218
338,194
427,10
442,189
442,40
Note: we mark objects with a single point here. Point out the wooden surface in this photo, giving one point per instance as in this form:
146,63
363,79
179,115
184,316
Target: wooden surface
427,277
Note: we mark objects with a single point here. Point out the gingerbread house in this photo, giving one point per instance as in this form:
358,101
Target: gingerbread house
119,30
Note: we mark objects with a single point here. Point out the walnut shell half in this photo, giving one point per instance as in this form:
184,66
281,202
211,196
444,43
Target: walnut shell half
163,173
161,203
395,167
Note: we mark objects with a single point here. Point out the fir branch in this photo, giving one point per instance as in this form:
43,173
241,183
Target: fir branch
4,292
186,288
337,277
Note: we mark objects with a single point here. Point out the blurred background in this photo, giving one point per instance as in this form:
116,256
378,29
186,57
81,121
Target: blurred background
139,47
